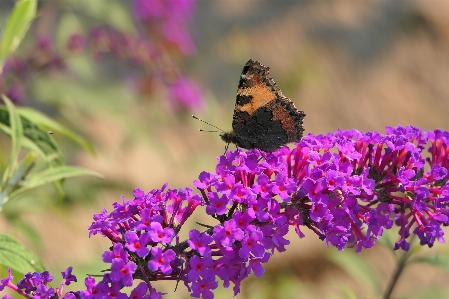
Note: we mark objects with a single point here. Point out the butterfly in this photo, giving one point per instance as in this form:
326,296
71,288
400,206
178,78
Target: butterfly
263,118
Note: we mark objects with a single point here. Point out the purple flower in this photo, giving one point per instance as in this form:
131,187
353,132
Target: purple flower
69,296
121,271
117,252
68,276
256,264
240,194
200,242
186,94
318,211
347,187
138,244
6,281
161,260
94,290
244,219
31,281
228,233
16,92
42,291
172,16
200,267
205,179
76,42
44,42
284,186
263,186
160,235
113,291
278,238
402,244
315,189
146,219
148,9
226,185
251,245
203,288
140,292
17,66
217,205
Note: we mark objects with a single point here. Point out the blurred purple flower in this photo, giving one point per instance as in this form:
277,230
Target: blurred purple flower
76,42
16,92
186,94
172,16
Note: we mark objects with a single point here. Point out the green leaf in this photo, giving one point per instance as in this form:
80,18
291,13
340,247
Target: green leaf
16,138
16,27
16,256
24,168
47,123
35,137
52,175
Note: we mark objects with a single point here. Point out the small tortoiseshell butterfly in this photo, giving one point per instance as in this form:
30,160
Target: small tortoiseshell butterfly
263,117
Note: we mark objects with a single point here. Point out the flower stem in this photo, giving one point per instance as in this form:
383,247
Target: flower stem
399,268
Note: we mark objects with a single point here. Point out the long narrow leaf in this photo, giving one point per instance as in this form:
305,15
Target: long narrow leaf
16,27
28,144
15,124
35,134
22,170
46,122
16,256
52,175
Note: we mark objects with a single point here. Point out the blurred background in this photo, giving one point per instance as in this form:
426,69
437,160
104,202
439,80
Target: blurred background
127,75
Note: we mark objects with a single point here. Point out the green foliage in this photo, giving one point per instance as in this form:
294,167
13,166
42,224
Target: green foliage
34,159
49,124
16,133
32,136
17,257
52,175
44,163
17,25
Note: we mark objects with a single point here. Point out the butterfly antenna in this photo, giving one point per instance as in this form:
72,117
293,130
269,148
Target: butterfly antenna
201,130
207,124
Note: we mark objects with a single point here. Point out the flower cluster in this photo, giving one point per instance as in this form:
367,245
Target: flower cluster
35,285
155,52
150,54
16,71
347,187
170,17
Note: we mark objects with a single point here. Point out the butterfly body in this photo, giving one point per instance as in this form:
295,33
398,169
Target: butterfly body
263,117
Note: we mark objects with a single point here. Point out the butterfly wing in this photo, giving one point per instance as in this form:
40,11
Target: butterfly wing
263,117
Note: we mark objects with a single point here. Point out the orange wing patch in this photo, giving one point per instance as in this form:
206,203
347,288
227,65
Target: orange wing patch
261,95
